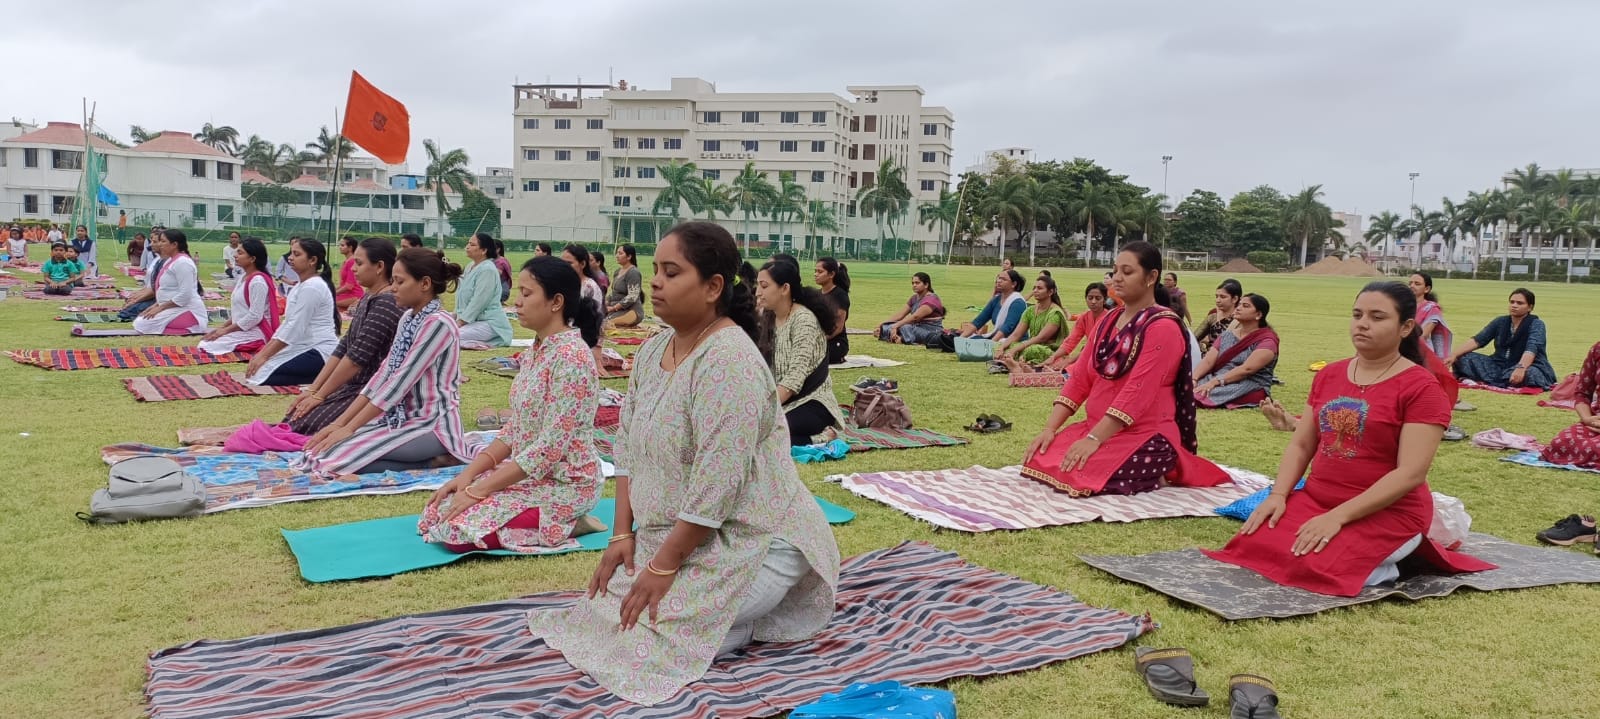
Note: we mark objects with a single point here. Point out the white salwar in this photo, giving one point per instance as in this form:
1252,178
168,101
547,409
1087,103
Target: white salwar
179,285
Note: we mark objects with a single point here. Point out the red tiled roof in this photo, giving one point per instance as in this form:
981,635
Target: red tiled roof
308,181
69,134
256,177
365,184
180,143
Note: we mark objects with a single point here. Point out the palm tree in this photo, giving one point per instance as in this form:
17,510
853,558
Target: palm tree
1452,222
1423,224
1502,208
822,217
1094,203
1542,214
940,215
1573,224
323,149
714,198
1146,214
448,169
682,188
1038,200
1475,212
1563,185
1005,205
223,138
887,200
753,194
140,135
1305,215
790,203
1381,227
257,154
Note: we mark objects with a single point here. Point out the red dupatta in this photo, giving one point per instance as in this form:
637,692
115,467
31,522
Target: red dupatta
1116,351
270,318
1244,345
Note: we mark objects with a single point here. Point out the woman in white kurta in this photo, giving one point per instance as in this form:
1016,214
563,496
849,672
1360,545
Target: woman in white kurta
310,331
728,545
179,308
253,315
479,316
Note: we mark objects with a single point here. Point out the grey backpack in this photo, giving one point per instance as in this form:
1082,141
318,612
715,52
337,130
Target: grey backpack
146,488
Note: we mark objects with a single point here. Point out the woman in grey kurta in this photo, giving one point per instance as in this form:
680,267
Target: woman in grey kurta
728,544
1237,370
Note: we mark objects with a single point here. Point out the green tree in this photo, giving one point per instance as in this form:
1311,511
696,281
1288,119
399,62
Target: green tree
1542,215
1202,224
822,217
258,154
1381,228
477,213
223,138
790,203
1305,217
140,135
1422,225
1146,215
715,197
887,201
1093,204
752,194
1255,221
1004,206
940,215
682,180
328,147
1572,225
445,169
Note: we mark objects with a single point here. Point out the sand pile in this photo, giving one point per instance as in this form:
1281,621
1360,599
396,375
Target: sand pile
1238,265
1352,267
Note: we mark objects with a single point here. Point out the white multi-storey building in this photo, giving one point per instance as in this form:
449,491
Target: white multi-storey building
172,179
588,158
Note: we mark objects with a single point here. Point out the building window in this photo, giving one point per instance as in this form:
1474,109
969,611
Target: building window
563,155
647,173
714,118
592,187
563,186
930,157
850,210
499,191
530,154
672,143
622,171
592,155
620,143
871,124
751,145
711,145
596,123
788,117
197,168
819,116
854,149
869,152
868,179
30,157
224,172
30,204
819,175
198,212
928,185
929,128
61,204
563,123
789,146
852,180
621,201
647,143
819,145
414,202
224,213
66,159
711,174
530,123
530,185
749,116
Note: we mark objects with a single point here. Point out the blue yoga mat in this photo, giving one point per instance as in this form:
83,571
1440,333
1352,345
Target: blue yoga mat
386,547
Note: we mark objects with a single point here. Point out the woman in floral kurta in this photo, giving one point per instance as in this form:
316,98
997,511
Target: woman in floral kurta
1580,444
705,452
550,442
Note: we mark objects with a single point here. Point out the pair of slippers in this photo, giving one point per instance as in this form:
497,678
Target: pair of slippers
489,419
988,424
1169,674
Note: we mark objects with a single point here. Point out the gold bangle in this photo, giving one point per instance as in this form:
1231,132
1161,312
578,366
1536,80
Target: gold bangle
468,491
650,566
619,537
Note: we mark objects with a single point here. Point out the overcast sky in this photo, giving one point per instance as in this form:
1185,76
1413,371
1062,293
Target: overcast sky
1352,94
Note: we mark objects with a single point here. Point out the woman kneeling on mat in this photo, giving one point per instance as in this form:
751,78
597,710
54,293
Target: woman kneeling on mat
727,544
1519,344
362,348
1237,371
296,353
536,500
179,309
409,415
1376,421
796,322
1138,433
253,314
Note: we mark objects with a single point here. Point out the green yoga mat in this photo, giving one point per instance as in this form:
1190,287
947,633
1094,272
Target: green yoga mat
386,547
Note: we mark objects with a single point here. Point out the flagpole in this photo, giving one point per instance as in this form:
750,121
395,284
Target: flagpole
338,168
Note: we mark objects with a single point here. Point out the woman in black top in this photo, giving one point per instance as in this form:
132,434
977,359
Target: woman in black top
833,279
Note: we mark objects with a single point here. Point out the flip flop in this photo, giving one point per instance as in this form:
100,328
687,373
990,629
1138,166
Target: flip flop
1169,674
1317,365
1252,697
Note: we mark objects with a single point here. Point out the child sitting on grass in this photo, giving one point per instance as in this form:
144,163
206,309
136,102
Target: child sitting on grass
17,247
59,272
72,257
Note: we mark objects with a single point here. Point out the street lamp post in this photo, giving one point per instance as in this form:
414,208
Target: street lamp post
1165,160
1413,204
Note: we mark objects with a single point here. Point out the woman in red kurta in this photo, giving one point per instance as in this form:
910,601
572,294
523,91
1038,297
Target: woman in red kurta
1138,432
1580,444
1376,421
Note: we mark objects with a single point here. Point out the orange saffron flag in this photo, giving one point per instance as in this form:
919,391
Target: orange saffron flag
376,122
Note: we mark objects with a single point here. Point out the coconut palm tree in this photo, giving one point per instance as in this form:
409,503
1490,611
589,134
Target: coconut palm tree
1452,221
939,215
714,197
1475,212
328,147
1542,214
1094,203
1380,229
1423,224
790,203
753,194
1146,214
1006,205
1563,185
887,200
140,135
223,138
445,169
257,154
1038,200
1572,225
1305,215
683,187
821,216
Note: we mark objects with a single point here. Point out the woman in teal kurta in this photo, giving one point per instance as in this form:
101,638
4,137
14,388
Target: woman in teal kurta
478,310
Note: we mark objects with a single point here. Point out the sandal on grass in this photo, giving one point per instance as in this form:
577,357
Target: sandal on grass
989,423
1252,697
1169,674
488,419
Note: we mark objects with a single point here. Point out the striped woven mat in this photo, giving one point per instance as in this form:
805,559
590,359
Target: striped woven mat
161,388
123,357
911,613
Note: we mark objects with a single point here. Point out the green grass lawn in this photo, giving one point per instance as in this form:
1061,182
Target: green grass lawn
84,606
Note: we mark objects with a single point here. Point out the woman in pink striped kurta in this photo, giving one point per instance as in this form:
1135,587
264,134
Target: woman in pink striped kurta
408,416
